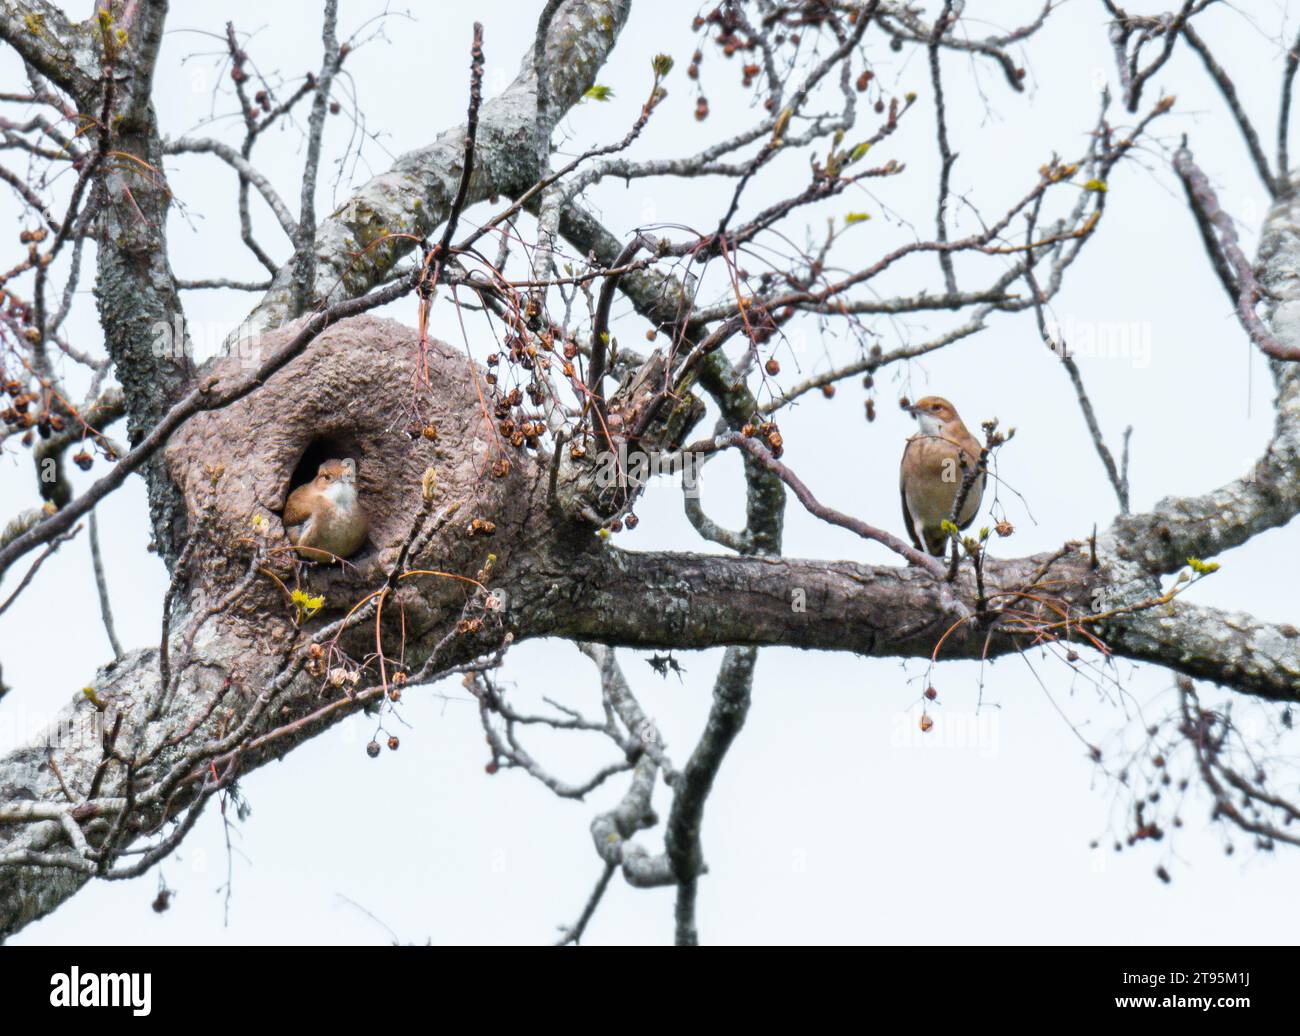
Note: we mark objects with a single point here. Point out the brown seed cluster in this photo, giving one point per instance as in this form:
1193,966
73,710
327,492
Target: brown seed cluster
525,359
727,33
30,411
30,404
768,432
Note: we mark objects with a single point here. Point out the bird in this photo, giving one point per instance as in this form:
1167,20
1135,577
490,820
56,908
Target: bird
324,516
934,466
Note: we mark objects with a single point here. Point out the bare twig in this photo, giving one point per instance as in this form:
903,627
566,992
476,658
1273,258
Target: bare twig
105,608
1206,204
304,263
1229,91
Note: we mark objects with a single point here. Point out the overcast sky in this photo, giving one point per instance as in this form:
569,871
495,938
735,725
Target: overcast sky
833,819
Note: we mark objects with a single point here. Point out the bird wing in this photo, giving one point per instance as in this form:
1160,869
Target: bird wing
973,499
297,509
902,492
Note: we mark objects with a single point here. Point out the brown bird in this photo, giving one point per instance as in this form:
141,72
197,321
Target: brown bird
932,473
324,514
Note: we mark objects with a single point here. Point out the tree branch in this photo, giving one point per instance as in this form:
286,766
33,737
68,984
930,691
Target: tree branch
358,246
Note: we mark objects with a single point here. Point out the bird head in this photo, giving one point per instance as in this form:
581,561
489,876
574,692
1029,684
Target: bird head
334,472
933,414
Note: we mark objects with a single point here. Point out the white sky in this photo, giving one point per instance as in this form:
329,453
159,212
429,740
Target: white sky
832,820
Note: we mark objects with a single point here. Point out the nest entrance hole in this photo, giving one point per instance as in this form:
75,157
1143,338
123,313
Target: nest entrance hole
321,449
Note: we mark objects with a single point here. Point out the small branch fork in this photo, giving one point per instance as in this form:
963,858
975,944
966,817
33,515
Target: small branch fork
1226,253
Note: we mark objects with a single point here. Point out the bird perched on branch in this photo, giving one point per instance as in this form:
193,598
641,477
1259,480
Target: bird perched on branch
323,517
936,462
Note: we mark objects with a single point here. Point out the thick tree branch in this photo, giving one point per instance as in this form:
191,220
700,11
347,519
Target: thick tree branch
42,35
1268,495
358,246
